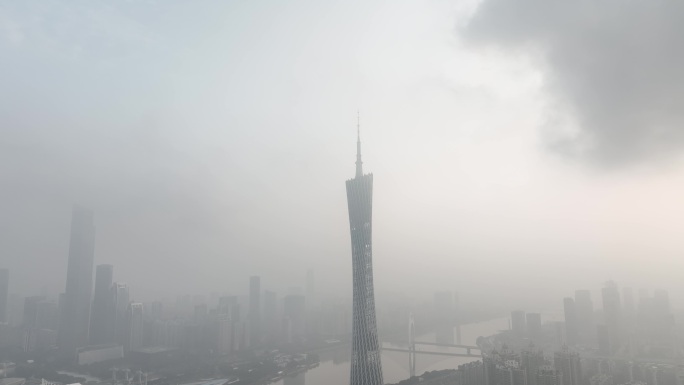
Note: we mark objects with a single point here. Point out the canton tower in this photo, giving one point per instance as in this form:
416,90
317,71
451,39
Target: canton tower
366,368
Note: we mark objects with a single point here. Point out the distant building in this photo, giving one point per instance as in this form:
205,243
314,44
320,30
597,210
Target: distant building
518,324
47,315
30,319
570,313
101,322
568,363
136,324
271,324
601,379
99,353
612,314
549,376
584,310
534,327
532,361
294,315
224,340
75,315
119,308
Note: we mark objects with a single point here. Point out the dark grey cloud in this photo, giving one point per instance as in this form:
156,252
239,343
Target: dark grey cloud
614,67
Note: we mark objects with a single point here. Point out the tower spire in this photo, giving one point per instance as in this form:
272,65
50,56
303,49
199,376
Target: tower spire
359,169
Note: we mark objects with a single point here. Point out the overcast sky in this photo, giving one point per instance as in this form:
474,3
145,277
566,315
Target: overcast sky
518,147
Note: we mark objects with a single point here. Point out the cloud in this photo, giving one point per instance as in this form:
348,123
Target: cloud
612,69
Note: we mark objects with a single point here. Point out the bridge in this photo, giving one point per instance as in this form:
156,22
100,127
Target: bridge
467,350
452,354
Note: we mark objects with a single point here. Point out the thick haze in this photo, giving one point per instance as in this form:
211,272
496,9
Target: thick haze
515,144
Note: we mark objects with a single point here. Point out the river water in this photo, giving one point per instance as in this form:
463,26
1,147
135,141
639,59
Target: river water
334,367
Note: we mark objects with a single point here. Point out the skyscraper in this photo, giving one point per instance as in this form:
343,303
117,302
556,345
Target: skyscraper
4,294
568,364
135,326
518,322
75,316
534,326
101,325
366,368
120,298
612,313
254,310
584,309
570,321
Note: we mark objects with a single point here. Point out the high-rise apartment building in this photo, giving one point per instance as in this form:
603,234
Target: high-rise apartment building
366,366
101,322
75,315
549,376
568,364
531,361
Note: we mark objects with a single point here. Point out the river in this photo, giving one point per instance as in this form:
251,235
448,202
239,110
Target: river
334,366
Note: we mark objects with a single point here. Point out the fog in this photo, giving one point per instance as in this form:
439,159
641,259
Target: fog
513,160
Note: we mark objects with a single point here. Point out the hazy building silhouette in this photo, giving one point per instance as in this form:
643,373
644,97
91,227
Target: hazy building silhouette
518,322
531,361
135,326
271,316
534,326
612,314
101,323
119,311
254,310
366,366
568,364
46,315
549,376
4,295
30,319
294,318
584,309
75,314
570,313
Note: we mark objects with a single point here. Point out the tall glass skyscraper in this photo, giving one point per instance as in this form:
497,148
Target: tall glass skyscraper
75,319
366,368
101,321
